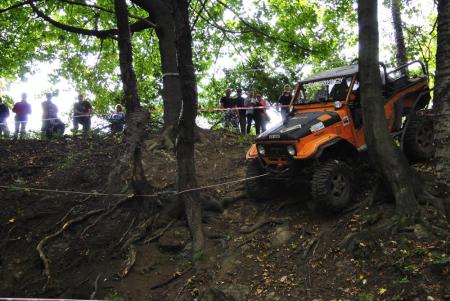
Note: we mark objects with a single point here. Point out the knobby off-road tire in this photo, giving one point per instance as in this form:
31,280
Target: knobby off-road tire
257,189
418,139
332,186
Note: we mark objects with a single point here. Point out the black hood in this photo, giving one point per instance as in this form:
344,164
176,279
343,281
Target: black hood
299,125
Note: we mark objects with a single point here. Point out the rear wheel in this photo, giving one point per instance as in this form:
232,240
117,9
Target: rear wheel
332,186
418,139
257,188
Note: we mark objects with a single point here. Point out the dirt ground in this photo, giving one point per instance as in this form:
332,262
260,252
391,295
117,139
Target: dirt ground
272,250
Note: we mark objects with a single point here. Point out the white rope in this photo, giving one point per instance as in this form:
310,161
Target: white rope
158,194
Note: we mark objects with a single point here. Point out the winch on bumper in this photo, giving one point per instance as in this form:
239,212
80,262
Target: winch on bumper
278,160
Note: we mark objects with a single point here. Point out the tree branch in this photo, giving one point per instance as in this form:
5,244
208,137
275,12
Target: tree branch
106,10
17,5
203,6
102,34
262,33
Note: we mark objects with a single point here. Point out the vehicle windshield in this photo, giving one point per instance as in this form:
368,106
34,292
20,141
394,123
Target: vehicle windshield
324,90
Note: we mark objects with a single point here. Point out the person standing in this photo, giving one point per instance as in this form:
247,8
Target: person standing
22,109
50,121
228,103
240,103
4,114
251,115
262,112
284,101
82,111
117,120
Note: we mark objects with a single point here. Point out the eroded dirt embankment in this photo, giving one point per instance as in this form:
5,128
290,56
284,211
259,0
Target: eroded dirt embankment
273,250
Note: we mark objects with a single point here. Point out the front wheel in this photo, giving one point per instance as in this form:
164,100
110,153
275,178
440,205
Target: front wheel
256,188
332,185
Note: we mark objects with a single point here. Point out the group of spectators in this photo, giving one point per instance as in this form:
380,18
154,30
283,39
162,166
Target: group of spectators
244,112
51,124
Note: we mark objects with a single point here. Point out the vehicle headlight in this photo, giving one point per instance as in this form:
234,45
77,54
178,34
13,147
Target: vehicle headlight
337,104
261,150
291,150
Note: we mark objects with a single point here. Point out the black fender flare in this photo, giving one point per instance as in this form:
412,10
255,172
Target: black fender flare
326,145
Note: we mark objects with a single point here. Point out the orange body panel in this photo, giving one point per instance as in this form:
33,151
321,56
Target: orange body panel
308,146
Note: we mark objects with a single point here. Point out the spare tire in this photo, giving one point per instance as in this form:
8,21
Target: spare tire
418,139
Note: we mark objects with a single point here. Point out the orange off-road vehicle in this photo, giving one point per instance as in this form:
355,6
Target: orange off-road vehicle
323,136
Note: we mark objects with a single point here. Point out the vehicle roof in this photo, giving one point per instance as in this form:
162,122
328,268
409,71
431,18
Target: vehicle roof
332,73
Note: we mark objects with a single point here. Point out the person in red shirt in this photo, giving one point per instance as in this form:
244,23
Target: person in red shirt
22,110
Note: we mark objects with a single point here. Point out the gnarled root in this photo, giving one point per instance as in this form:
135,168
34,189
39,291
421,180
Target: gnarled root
261,222
129,263
159,233
165,140
139,232
40,246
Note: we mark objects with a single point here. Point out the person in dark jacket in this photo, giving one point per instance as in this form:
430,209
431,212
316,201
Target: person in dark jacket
240,102
283,101
22,109
82,111
230,114
4,114
264,118
50,122
252,114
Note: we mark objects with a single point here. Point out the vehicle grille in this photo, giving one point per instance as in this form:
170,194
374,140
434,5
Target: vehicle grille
276,150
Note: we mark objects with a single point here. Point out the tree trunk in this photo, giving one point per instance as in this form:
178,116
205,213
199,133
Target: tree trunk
390,163
160,12
186,177
442,96
399,39
129,169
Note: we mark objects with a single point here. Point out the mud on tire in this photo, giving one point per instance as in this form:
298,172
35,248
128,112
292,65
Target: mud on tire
418,139
332,186
256,189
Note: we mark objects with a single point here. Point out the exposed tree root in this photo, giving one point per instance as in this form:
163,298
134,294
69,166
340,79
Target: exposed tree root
262,222
388,226
312,243
286,204
7,239
41,244
165,140
227,201
125,233
129,263
139,232
175,276
159,233
106,213
186,283
94,293
66,215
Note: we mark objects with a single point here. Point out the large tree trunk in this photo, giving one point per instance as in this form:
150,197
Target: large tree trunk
390,163
442,96
160,12
130,169
185,140
399,39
